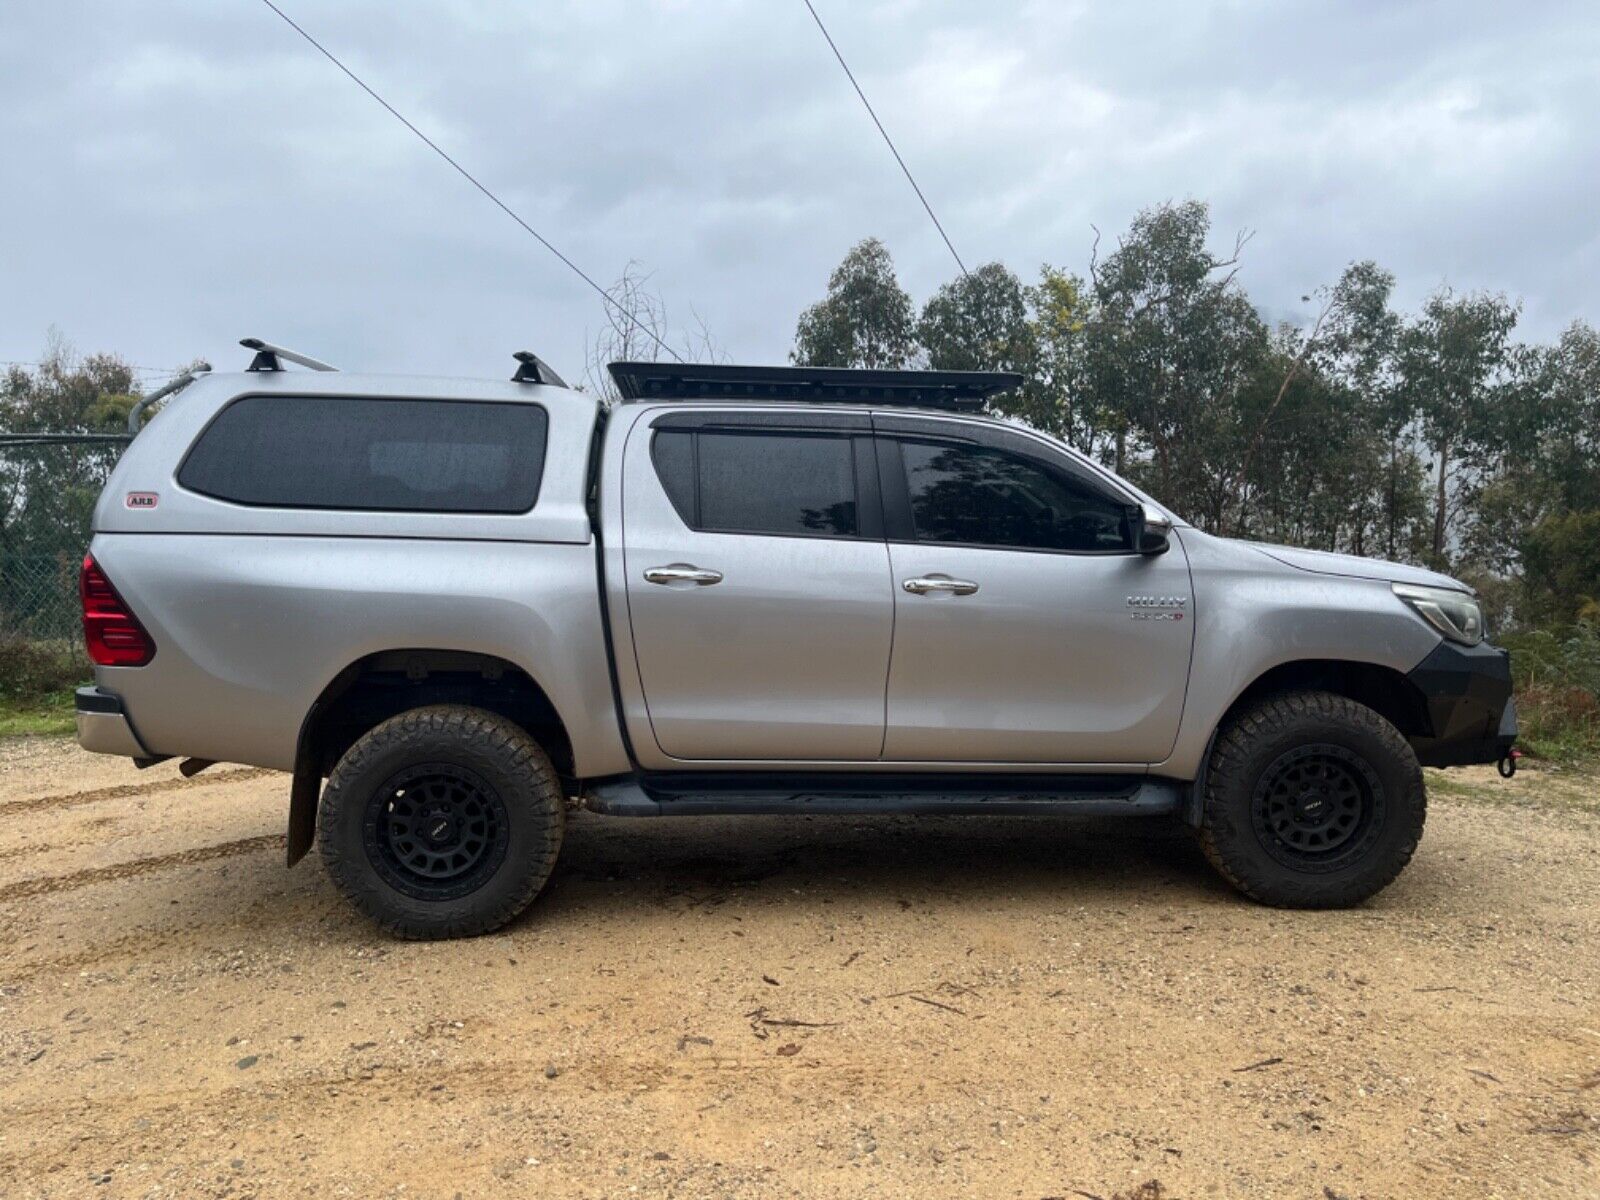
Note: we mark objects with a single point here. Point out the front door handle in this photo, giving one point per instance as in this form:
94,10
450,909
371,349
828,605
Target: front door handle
682,573
923,584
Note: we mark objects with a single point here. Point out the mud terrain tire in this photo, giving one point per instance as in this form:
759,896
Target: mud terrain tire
442,822
1311,801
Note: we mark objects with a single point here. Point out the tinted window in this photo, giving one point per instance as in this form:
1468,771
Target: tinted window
983,497
393,455
674,455
782,483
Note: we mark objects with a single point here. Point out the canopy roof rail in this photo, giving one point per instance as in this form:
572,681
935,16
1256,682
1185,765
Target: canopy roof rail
268,356
960,391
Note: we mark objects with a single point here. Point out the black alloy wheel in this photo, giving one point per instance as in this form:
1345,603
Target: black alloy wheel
1310,800
1317,806
436,831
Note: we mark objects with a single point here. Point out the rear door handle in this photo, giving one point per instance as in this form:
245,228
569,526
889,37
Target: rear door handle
682,573
923,584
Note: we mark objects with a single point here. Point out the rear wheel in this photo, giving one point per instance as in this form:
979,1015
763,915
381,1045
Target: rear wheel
1311,801
442,822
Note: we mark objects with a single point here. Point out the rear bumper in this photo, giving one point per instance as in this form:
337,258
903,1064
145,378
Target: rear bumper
1467,691
103,726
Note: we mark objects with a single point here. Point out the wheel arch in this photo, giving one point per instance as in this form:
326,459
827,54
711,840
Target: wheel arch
1386,691
380,685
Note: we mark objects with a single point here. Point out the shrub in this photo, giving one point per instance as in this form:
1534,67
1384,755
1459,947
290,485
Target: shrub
1561,561
1557,678
31,670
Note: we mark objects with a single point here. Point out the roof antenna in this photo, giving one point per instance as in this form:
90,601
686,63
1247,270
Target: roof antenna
267,356
136,413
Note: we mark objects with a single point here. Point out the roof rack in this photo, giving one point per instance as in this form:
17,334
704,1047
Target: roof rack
961,391
267,356
533,369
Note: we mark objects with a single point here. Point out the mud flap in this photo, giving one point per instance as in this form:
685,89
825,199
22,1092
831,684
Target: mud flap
306,790
1194,810
303,796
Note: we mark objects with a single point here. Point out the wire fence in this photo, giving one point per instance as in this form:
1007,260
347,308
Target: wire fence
48,486
39,597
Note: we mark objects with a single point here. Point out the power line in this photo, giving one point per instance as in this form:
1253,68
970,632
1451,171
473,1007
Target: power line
470,178
887,139
14,362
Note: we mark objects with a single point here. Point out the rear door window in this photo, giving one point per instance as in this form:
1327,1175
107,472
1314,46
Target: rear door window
788,483
329,452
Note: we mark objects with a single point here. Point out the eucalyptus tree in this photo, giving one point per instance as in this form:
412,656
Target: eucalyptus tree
1059,398
1452,362
978,322
1173,344
866,319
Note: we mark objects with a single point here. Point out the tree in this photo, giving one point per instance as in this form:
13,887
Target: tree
47,493
1531,515
1172,344
637,330
1566,443
1562,555
978,322
1333,446
865,320
1452,361
1363,337
1433,437
1058,398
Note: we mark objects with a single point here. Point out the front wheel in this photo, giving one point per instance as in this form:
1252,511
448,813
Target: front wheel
442,822
1311,801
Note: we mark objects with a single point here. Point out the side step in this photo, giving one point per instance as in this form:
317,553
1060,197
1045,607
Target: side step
857,795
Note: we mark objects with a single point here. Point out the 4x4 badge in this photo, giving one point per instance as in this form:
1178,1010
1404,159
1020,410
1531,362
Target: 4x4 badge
141,500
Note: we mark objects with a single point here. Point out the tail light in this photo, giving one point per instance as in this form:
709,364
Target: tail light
114,635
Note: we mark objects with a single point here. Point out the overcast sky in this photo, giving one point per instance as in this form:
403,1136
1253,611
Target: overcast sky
180,175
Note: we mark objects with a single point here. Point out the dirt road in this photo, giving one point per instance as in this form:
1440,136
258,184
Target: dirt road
756,1007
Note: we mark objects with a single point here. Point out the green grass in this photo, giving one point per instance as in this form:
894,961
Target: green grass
50,714
37,679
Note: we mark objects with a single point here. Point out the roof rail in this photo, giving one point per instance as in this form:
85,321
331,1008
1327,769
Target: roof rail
961,391
268,356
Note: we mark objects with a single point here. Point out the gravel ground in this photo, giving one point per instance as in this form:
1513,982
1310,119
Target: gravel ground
758,1007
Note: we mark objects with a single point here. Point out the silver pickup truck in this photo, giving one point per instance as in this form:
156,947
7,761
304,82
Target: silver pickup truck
469,606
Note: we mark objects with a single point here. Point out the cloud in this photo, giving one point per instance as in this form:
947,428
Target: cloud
185,176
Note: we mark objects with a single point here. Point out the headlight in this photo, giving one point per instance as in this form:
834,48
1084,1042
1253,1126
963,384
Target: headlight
1454,614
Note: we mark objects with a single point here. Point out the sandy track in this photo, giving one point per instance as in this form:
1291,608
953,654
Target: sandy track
122,791
814,1007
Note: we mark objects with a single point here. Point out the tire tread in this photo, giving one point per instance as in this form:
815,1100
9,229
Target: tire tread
489,733
1220,829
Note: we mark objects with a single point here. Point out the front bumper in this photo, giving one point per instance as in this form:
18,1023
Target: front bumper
1467,694
103,726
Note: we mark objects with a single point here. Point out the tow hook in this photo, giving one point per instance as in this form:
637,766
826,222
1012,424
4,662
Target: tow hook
1507,766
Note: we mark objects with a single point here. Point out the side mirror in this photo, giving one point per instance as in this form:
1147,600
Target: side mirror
1152,530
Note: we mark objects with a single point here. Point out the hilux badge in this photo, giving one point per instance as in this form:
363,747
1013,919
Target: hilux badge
141,500
1157,608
